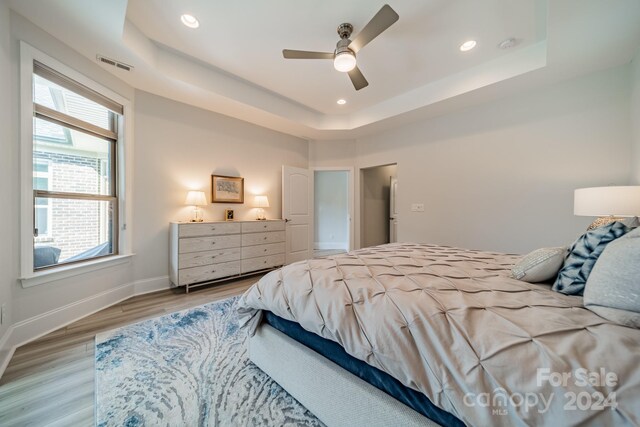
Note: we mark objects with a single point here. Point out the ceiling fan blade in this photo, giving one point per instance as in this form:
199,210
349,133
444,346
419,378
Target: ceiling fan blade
357,78
305,54
385,18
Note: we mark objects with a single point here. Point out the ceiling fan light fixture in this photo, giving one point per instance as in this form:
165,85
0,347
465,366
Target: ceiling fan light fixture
344,56
190,21
344,61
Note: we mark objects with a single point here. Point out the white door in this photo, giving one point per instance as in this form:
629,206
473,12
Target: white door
393,212
297,210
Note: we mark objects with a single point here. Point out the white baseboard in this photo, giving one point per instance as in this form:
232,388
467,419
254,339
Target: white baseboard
35,327
151,285
6,350
324,246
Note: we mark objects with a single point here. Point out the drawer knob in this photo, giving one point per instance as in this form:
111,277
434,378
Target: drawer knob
265,237
265,226
265,261
213,229
213,243
265,250
213,271
213,257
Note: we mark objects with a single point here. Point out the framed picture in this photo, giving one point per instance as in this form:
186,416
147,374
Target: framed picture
227,189
228,214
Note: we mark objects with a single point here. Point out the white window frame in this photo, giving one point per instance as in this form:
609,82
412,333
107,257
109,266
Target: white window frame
28,278
47,175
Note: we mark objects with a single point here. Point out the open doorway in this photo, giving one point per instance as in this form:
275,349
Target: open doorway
378,214
332,211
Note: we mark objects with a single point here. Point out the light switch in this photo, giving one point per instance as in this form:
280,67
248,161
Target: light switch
417,207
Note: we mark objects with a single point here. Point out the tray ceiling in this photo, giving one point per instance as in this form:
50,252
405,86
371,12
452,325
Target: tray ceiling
233,63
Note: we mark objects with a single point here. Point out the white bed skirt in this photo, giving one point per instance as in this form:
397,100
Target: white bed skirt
337,397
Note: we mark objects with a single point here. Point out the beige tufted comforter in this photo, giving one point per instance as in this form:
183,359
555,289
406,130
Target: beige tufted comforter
451,324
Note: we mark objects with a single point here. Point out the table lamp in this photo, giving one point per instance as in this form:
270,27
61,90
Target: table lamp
607,203
261,202
196,199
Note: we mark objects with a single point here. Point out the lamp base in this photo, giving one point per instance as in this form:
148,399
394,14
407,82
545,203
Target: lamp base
603,220
260,215
197,215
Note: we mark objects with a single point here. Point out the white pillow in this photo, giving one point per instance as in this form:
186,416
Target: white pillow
613,287
540,265
631,222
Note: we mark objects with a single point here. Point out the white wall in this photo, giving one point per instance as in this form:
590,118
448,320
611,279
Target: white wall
635,118
336,153
331,216
375,199
501,176
8,173
177,148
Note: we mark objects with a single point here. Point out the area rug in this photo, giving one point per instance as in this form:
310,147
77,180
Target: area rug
189,368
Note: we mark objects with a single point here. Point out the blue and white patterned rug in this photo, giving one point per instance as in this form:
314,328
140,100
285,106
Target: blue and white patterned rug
188,368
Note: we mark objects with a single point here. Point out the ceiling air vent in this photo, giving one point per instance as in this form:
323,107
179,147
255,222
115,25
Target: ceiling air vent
114,63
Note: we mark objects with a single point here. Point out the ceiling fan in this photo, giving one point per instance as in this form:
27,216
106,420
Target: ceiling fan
344,57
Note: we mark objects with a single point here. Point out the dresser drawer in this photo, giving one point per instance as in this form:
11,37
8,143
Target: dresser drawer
196,259
207,229
262,238
262,250
255,264
188,276
258,226
197,244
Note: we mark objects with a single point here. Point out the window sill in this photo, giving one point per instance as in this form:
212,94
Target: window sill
63,272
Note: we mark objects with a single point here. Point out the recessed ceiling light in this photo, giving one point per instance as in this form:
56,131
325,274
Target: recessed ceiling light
341,101
190,21
468,45
508,43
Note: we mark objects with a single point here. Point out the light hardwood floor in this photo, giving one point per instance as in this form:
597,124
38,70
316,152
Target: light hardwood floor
50,381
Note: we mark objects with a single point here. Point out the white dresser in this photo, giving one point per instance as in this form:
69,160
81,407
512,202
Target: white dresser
207,252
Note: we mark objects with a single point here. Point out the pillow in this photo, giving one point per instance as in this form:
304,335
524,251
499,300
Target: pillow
540,265
45,255
631,222
613,287
583,254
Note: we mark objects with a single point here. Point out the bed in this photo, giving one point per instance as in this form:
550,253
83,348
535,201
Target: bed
444,323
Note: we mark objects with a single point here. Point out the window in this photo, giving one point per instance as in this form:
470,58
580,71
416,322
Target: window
75,146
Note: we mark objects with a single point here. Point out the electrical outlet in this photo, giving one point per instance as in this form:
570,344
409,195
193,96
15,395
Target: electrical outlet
417,207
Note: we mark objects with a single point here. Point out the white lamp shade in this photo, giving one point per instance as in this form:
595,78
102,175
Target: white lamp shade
196,198
606,201
261,202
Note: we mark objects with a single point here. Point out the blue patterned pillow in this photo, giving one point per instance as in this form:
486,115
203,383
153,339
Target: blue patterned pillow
583,255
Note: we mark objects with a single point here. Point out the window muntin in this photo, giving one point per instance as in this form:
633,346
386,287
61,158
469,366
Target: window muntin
75,204
42,208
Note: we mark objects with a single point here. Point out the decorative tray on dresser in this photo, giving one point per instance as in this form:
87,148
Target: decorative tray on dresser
202,253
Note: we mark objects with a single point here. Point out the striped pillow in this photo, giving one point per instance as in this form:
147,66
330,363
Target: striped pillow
583,255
